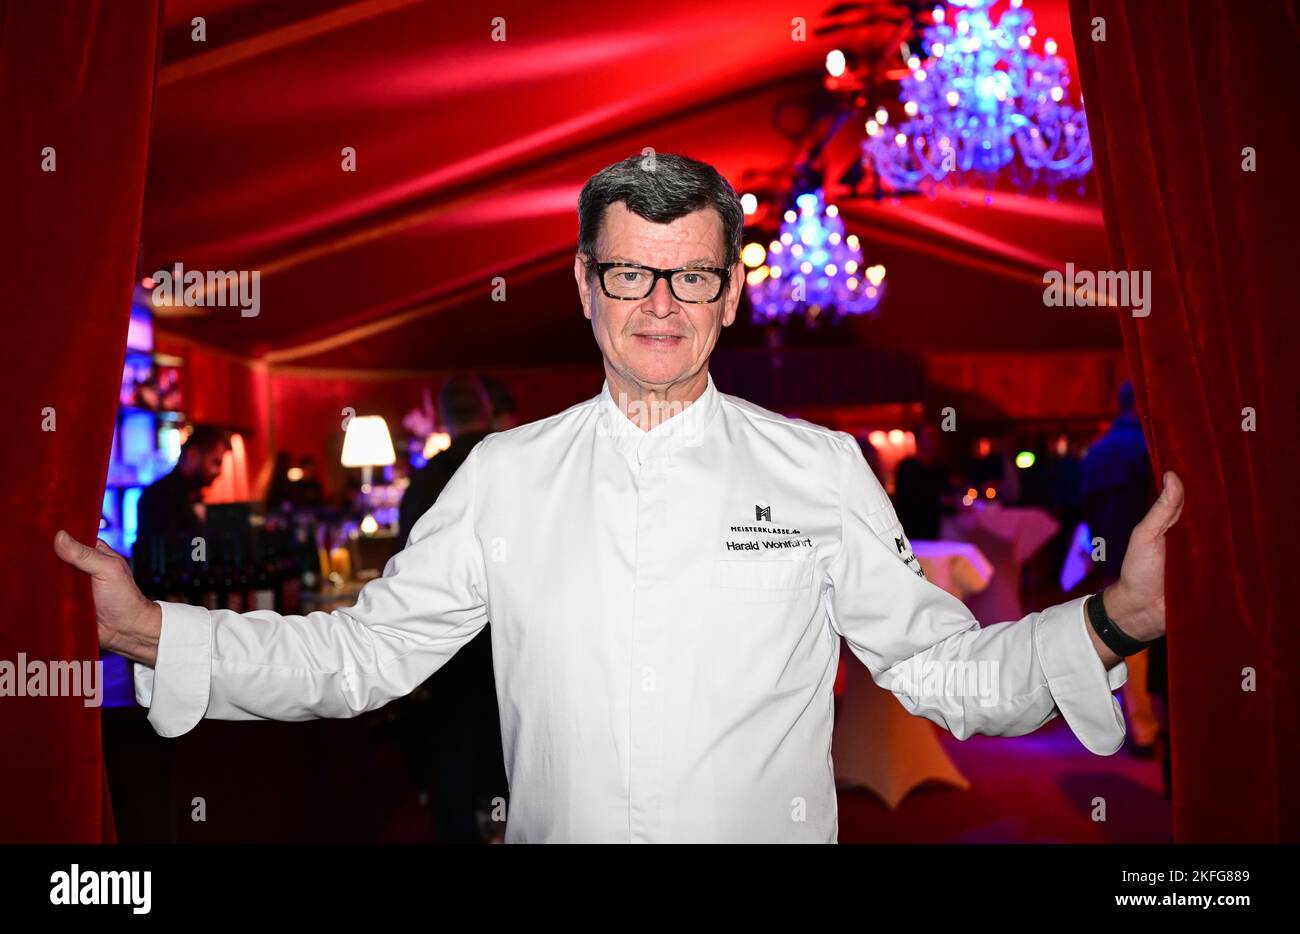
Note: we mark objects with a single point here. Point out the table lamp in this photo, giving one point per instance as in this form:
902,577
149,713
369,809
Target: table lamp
367,444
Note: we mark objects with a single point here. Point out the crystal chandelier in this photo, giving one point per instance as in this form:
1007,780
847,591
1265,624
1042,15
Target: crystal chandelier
980,98
812,269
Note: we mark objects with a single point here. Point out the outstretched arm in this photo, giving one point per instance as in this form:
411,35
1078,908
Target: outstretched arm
264,665
1007,678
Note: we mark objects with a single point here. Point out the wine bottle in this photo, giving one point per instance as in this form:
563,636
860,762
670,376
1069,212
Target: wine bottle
232,597
152,584
208,586
262,587
287,576
242,576
194,575
175,577
308,556
218,579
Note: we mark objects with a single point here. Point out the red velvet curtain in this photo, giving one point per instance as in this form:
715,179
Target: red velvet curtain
1181,96
76,93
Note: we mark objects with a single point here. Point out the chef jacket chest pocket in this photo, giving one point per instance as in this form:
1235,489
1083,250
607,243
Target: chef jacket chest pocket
762,581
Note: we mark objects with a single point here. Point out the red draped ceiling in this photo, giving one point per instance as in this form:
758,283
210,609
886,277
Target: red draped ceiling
470,154
76,77
1176,93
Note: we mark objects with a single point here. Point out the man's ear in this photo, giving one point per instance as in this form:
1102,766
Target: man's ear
732,298
584,284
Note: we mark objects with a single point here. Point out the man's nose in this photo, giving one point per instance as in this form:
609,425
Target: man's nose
660,301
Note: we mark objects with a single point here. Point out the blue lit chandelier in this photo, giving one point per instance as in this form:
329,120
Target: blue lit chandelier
812,269
981,97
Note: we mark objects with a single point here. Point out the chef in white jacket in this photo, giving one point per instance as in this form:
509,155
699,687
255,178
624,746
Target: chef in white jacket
668,571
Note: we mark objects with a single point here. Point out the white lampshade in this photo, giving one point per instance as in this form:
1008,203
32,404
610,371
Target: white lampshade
367,442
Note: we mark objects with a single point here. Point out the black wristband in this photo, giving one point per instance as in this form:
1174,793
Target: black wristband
1118,641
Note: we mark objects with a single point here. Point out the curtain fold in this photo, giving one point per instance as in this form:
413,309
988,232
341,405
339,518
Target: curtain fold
1181,97
77,82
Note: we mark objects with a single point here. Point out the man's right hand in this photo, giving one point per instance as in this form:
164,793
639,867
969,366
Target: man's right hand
129,623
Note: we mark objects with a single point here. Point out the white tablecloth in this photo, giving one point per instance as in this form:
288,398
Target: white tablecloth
958,567
879,745
1008,536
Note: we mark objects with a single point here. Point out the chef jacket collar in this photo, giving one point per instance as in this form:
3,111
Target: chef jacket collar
684,429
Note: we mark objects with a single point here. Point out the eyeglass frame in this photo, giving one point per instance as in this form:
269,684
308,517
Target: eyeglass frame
723,273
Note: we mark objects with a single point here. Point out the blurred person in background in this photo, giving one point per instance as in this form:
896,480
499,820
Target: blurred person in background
1118,488
465,411
172,507
279,489
1067,484
505,413
871,456
921,487
454,712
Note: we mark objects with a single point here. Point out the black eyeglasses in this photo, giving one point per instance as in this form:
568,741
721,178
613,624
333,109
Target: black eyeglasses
631,282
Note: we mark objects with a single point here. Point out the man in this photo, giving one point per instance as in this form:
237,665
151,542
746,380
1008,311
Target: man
465,410
668,571
279,488
456,709
505,413
1117,483
172,509
1116,495
921,487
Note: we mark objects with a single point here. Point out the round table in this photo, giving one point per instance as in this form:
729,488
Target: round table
877,744
1008,536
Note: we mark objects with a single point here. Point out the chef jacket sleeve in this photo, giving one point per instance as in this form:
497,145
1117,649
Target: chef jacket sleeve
923,644
430,601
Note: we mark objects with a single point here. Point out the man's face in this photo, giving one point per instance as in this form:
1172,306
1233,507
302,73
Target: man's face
206,465
657,342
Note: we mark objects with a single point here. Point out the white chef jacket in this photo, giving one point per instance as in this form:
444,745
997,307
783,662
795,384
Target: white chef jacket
667,608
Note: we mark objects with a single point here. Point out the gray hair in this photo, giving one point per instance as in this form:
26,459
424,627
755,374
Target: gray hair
660,187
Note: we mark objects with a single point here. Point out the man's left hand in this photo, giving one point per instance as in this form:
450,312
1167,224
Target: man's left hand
1137,601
